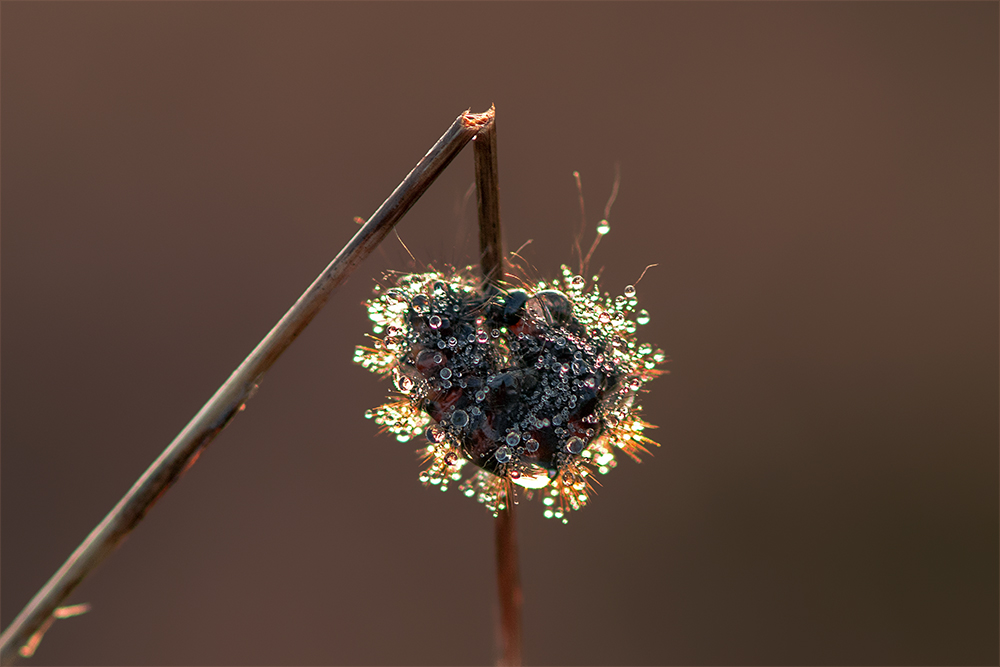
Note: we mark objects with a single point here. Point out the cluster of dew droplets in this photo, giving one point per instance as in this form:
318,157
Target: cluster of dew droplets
456,357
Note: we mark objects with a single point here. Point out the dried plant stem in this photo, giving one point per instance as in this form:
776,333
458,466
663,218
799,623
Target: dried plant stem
491,248
488,199
231,396
509,586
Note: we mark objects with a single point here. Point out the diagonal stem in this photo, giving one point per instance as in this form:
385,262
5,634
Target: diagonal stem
491,247
233,394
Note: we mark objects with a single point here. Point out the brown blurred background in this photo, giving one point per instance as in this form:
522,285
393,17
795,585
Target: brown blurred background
818,183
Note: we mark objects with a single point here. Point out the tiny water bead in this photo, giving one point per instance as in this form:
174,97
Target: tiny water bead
535,386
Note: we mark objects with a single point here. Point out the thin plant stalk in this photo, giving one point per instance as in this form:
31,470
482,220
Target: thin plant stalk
491,259
488,201
231,397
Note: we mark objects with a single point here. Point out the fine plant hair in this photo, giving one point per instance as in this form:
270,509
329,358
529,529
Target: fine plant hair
21,637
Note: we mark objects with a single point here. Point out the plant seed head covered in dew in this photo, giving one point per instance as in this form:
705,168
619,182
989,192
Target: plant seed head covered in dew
535,386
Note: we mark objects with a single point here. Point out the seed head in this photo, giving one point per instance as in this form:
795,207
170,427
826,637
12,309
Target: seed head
535,387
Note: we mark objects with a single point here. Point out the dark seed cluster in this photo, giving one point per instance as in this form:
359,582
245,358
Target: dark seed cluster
533,386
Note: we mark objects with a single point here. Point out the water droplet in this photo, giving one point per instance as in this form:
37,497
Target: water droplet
369,414
451,458
446,384
513,438
630,291
634,384
515,474
503,455
480,395
603,227
482,336
420,303
434,434
495,333
574,445
445,373
642,317
577,282
452,342
434,321
459,418
438,357
604,318
531,445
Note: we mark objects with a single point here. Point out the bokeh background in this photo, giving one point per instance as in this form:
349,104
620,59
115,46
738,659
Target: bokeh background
817,182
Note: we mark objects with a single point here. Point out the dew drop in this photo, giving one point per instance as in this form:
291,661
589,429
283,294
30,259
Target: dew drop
404,383
515,474
604,318
434,434
460,418
643,317
420,303
434,321
574,445
438,357
603,227
577,282
451,458
503,455
531,445
630,291
513,438
482,336
445,373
